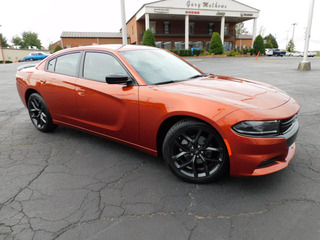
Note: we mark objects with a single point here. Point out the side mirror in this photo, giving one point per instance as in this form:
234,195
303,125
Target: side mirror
117,79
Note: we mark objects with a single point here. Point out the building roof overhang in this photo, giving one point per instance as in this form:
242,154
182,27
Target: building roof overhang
232,10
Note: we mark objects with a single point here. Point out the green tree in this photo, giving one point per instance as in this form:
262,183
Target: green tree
148,38
268,44
258,45
240,29
290,46
28,39
272,39
57,48
216,46
3,41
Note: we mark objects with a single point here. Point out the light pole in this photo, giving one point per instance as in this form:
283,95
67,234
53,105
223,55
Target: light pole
292,41
305,65
2,52
124,25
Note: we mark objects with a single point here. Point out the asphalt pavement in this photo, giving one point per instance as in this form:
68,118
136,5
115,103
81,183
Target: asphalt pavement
72,185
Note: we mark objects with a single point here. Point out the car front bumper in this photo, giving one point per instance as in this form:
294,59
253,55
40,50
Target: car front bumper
256,156
261,156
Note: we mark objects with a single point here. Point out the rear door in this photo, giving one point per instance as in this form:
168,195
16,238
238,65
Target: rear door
110,109
57,86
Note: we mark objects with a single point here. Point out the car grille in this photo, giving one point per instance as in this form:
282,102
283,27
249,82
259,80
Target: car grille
286,124
268,162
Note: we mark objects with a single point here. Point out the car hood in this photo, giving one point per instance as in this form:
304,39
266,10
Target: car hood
241,93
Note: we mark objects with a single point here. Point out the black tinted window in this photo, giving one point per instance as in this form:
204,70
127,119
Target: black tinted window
97,66
68,64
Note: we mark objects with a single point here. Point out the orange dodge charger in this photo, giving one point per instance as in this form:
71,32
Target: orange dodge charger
203,125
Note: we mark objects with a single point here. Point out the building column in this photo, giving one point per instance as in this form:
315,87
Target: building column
187,28
223,21
147,19
254,30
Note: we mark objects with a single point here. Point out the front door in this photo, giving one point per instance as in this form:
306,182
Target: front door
110,109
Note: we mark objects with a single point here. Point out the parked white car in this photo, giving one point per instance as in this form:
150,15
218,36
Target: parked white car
269,52
296,54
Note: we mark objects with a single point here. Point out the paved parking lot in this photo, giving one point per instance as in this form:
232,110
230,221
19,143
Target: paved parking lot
72,185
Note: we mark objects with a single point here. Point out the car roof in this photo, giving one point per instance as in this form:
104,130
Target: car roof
114,47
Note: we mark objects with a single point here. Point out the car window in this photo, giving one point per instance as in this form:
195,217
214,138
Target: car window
158,66
97,66
68,64
51,65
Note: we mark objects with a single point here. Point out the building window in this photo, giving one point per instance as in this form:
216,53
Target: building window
198,45
179,45
211,28
227,46
191,28
159,45
207,46
167,45
166,27
153,26
226,29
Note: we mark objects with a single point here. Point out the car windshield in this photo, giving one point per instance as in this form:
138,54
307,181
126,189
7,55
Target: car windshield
160,67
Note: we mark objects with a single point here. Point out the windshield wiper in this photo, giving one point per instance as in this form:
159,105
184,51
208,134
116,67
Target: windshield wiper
199,75
166,82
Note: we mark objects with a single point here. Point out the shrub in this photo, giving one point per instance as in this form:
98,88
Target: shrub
233,53
196,52
216,46
57,48
246,50
148,38
258,45
252,51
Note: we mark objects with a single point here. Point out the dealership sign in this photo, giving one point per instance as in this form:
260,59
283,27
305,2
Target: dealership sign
206,5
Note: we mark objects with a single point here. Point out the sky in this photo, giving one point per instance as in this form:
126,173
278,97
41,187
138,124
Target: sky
49,18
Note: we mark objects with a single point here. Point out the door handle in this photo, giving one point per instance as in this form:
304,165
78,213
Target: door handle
81,92
42,81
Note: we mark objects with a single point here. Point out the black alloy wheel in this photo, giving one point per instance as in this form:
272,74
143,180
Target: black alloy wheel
195,151
39,113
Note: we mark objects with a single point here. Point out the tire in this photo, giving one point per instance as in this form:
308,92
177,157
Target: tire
39,113
31,59
195,151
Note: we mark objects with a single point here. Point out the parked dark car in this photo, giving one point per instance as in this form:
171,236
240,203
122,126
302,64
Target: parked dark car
278,52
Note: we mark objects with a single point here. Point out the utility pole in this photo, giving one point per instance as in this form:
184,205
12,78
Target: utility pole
305,65
2,52
124,24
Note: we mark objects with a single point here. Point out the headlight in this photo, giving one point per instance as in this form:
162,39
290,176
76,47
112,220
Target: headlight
258,128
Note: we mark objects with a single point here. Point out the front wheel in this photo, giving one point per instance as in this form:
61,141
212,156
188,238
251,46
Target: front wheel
39,113
195,151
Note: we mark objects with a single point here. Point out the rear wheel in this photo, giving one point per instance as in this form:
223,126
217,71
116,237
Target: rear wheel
39,113
195,151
